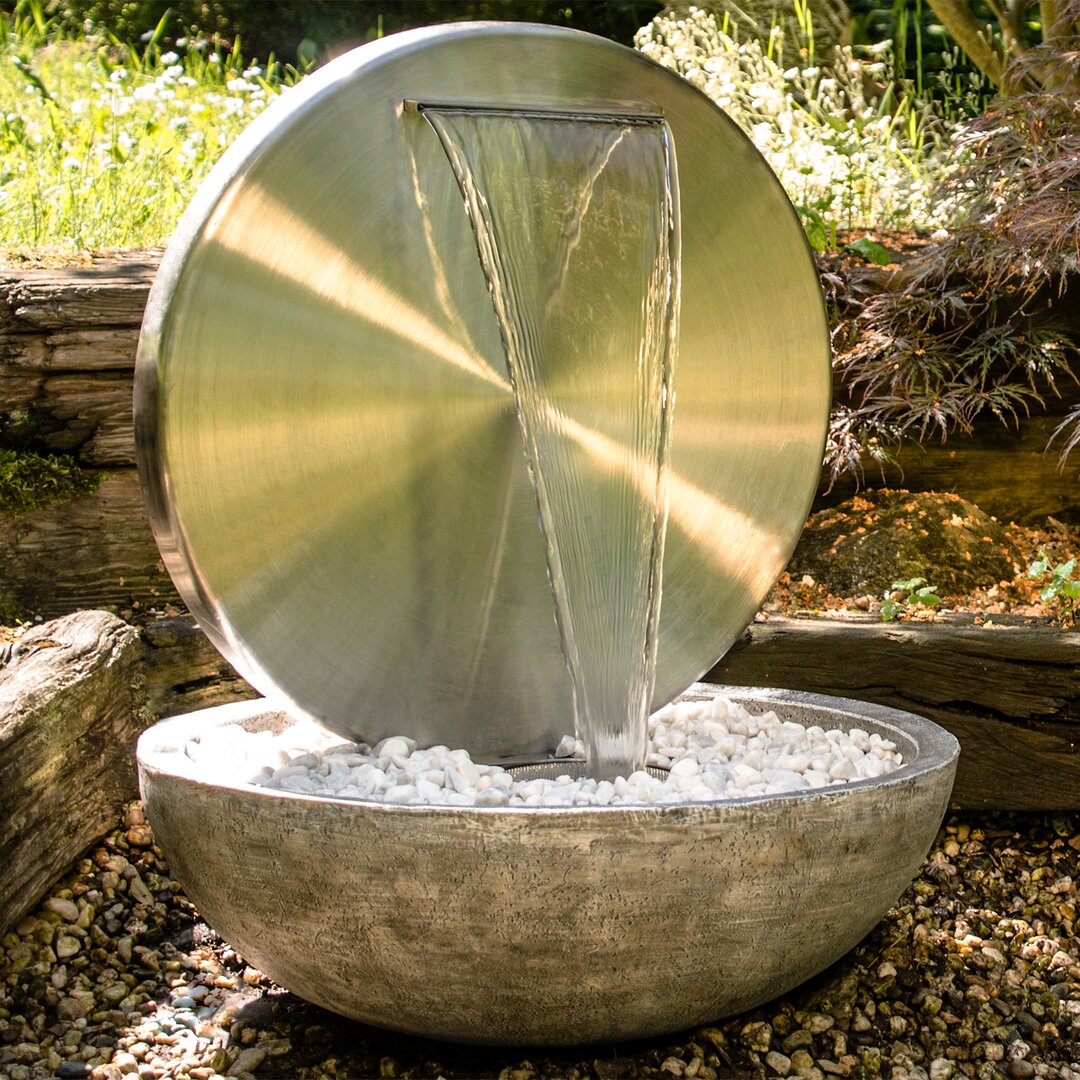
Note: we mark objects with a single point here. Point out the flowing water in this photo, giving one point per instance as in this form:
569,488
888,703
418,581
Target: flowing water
576,225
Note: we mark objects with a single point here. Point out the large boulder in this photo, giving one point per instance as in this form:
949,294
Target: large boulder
875,539
70,714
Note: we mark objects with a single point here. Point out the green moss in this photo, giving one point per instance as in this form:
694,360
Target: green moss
29,481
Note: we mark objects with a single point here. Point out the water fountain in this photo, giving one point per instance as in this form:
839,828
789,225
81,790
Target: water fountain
447,248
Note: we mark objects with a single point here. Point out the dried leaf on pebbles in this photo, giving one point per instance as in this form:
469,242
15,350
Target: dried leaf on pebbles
974,973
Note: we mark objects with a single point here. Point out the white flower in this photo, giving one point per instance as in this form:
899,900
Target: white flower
118,75
169,58
70,162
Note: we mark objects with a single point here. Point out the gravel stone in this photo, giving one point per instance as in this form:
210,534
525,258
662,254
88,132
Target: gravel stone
973,975
63,907
248,1060
779,1063
757,1036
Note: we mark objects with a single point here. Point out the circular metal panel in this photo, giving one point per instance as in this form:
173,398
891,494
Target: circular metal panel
326,435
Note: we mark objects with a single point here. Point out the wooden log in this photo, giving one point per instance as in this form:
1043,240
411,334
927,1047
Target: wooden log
183,671
87,415
1005,470
96,551
110,292
69,719
1010,693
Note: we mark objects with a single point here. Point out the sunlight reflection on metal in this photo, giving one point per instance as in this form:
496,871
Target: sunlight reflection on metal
313,263
721,531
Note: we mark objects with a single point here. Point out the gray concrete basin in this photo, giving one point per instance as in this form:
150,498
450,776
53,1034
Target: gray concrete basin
547,925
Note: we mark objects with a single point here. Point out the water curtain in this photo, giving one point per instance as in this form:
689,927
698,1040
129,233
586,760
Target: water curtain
577,229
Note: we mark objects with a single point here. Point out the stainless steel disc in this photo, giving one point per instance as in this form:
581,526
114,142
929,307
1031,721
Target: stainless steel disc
326,434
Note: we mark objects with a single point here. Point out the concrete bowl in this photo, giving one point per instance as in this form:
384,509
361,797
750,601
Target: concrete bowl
547,926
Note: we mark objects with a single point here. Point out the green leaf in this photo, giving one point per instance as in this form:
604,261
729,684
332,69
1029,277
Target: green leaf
1039,566
1071,589
159,30
1065,569
1049,593
910,585
889,610
927,596
870,250
814,225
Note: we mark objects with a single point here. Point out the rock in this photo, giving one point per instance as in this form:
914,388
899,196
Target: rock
1019,1069
799,1039
779,1063
802,1061
137,888
247,1060
757,1035
879,537
115,993
942,1069
66,909
73,1070
125,1062
66,946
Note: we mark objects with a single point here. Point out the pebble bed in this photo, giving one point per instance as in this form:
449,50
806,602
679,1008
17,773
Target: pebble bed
974,973
710,749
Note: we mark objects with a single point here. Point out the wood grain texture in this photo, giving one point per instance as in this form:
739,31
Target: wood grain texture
1009,693
183,671
96,551
111,291
69,719
1005,470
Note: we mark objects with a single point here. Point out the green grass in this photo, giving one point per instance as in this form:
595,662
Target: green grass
102,144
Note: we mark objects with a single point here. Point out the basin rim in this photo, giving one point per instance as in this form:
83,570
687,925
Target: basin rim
161,751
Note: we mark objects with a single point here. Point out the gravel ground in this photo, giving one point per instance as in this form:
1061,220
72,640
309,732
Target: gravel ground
976,972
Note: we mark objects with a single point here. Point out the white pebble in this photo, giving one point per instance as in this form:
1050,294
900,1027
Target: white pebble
710,750
566,746
395,745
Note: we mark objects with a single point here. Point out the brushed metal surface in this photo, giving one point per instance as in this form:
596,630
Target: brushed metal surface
544,926
325,428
